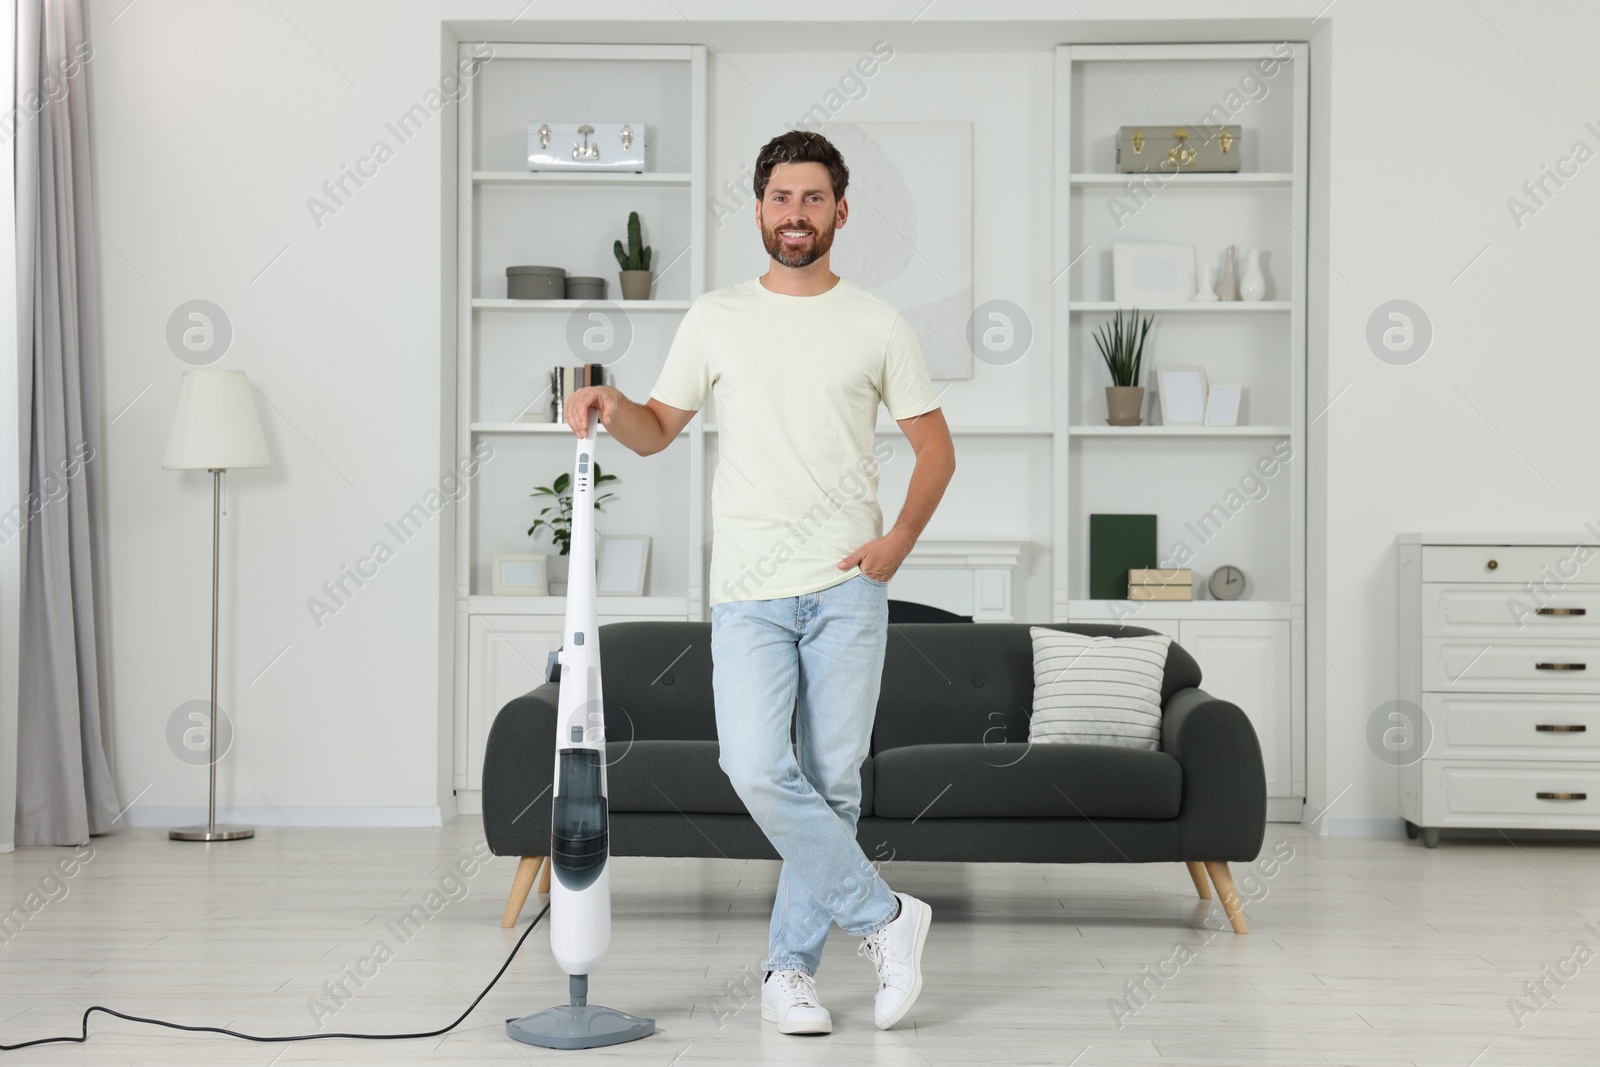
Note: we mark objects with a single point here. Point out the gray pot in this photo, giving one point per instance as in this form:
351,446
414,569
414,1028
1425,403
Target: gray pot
636,284
1123,403
535,283
580,287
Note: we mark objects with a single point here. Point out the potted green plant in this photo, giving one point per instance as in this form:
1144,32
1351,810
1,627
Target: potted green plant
1121,345
635,262
560,525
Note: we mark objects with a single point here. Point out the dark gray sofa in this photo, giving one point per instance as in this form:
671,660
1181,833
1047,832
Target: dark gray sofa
950,775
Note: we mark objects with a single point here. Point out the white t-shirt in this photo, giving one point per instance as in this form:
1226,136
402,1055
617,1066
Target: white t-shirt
798,380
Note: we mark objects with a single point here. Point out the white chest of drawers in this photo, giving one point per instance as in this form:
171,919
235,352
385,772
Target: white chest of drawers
1500,651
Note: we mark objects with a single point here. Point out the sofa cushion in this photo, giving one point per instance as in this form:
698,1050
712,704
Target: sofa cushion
975,781
944,683
682,776
1097,690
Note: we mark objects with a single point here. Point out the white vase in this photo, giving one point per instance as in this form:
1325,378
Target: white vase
1228,282
1252,283
1208,284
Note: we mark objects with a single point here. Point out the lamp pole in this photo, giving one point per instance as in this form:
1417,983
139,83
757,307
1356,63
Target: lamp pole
211,831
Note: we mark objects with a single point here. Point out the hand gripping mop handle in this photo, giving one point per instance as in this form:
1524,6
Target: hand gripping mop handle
580,892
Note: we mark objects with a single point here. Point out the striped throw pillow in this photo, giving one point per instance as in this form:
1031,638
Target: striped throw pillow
1097,690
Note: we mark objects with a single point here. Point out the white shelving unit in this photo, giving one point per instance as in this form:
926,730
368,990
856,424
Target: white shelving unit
1202,482
1221,307
504,349
1132,181
1253,650
501,304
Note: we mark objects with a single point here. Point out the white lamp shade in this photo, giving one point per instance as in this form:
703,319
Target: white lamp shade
216,425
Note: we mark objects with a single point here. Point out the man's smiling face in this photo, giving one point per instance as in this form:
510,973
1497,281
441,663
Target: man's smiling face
798,214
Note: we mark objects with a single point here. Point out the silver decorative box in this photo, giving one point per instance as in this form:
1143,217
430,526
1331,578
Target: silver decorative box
600,146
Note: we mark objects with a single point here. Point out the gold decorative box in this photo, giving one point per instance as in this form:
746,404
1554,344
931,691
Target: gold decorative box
1175,149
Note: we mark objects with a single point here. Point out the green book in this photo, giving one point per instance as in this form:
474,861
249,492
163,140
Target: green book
1118,544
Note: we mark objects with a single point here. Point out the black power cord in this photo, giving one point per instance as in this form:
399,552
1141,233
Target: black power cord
83,1037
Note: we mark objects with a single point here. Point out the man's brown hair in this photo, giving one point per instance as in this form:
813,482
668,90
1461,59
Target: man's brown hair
801,146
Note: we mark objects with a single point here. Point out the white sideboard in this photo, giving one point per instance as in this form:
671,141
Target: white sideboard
1498,719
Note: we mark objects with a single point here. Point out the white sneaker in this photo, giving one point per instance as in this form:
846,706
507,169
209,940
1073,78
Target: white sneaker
789,998
896,951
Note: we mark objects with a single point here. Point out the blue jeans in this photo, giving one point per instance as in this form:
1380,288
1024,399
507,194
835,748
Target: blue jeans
816,657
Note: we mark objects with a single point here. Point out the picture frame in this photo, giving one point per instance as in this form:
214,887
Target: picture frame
1144,273
1182,392
1222,405
621,564
515,574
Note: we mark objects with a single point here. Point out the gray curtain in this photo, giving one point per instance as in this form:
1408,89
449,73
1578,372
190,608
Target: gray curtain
64,788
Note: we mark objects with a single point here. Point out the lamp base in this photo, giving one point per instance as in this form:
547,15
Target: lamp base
220,832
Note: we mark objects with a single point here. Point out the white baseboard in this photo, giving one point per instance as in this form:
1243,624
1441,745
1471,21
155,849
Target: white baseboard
170,815
1360,826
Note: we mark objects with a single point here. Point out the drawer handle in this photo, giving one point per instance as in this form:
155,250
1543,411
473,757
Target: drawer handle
1562,796
1494,563
1561,666
1562,611
1562,728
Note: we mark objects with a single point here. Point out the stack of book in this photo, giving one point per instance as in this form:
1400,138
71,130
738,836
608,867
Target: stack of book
1151,584
564,381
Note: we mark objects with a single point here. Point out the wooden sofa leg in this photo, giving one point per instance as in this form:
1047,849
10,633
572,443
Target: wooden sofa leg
1228,895
1197,871
544,877
527,867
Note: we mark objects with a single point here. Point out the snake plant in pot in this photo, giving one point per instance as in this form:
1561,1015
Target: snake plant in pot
1121,344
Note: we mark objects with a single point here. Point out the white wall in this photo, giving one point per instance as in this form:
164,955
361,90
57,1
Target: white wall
215,123
1437,118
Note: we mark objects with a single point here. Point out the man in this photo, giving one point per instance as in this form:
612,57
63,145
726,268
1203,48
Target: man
799,360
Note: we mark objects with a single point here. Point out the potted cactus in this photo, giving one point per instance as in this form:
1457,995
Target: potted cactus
635,262
1121,345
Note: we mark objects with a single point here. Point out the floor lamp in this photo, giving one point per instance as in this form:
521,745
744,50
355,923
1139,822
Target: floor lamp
215,428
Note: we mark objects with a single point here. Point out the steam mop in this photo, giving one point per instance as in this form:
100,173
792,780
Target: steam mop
580,891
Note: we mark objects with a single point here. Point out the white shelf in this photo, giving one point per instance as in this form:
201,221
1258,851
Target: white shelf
1210,307
538,427
607,604
481,304
1131,611
1180,431
957,431
1173,181
972,430
599,178
988,430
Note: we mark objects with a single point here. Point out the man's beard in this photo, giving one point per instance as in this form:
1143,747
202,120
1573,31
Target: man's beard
802,256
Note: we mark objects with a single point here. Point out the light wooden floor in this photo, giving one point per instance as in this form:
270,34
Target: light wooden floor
1360,952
